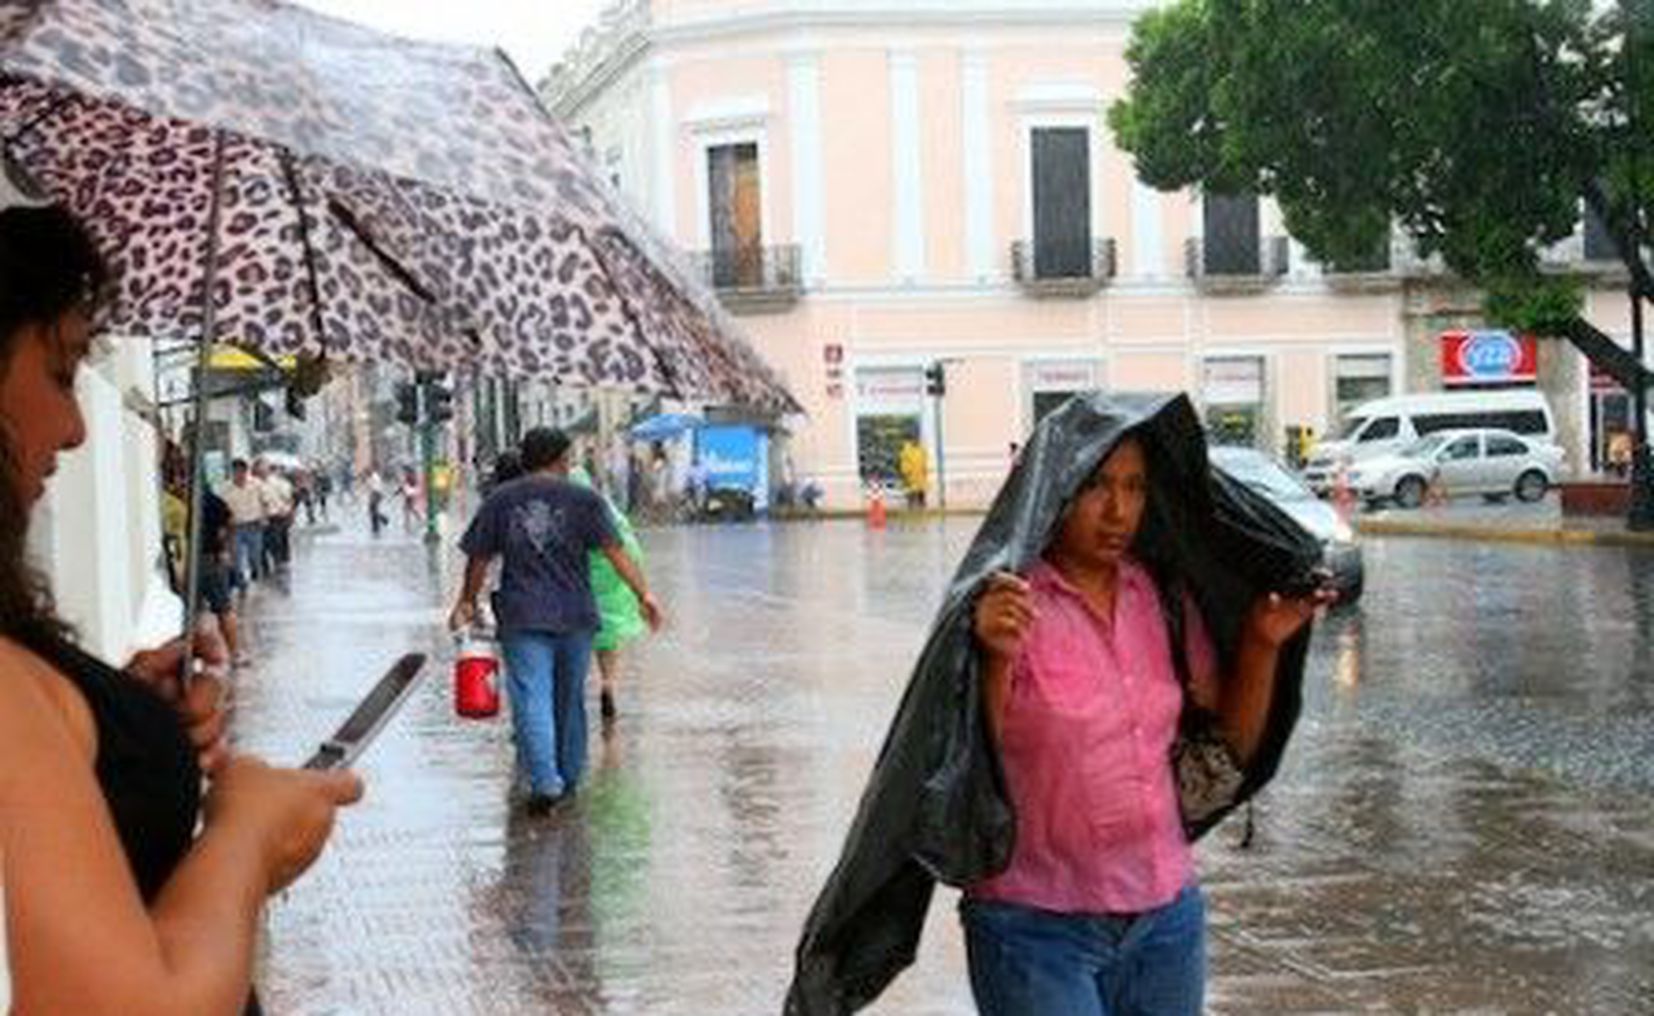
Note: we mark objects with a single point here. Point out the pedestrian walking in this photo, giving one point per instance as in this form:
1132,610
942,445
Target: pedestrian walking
214,557
1071,726
409,492
122,892
377,519
619,614
247,507
542,528
277,494
324,490
304,494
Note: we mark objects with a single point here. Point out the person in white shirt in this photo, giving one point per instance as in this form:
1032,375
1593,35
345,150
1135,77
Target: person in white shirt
376,502
246,499
278,513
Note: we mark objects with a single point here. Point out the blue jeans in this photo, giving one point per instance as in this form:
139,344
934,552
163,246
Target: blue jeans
249,551
1026,962
545,678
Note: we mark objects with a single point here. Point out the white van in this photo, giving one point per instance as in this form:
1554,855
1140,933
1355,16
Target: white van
1388,425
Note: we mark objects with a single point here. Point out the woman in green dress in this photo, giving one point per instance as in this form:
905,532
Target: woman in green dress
621,619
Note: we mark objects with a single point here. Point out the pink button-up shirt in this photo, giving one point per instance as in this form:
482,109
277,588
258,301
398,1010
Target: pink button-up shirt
1086,742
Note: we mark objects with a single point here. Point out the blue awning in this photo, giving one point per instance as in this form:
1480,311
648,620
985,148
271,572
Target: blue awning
665,426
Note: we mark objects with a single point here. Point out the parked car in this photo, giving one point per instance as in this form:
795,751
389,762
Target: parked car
1386,426
1496,464
1341,551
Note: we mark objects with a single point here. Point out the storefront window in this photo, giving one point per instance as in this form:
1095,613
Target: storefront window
1050,383
889,414
1233,391
1359,378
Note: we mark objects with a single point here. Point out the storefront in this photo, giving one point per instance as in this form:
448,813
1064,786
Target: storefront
890,412
1050,383
1610,425
1359,378
1233,393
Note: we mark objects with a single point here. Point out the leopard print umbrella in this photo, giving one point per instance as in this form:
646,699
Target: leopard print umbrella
385,199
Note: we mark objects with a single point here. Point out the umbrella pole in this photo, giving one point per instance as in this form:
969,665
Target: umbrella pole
198,443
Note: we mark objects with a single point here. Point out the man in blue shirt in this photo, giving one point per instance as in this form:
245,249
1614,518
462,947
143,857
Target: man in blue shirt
542,527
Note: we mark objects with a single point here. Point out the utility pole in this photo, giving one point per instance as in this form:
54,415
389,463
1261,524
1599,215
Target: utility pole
425,406
936,386
1641,516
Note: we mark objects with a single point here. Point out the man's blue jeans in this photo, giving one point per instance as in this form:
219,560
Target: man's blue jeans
249,551
1025,961
545,677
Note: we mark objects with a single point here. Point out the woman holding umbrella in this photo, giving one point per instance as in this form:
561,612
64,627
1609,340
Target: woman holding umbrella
113,903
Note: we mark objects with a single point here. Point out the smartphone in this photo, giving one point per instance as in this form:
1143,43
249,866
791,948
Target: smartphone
364,723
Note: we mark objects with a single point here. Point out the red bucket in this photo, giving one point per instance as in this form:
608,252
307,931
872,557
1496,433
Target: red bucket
476,680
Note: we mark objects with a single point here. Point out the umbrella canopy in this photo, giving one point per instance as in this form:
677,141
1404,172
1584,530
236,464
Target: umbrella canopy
453,218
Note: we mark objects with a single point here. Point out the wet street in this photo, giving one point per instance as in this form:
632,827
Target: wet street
1464,822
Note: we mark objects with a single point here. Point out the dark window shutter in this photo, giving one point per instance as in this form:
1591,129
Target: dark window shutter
1232,242
1062,202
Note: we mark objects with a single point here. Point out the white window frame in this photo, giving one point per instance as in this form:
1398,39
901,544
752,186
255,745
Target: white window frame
1330,408
1087,120
1027,365
1271,385
710,138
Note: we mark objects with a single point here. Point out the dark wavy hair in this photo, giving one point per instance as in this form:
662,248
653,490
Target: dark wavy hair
48,267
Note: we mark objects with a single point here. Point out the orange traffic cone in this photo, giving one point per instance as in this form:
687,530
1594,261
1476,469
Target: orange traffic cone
876,509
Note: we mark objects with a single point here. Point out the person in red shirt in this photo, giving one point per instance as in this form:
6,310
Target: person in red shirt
1099,911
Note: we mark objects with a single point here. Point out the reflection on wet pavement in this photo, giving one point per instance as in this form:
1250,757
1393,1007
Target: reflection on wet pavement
1463,822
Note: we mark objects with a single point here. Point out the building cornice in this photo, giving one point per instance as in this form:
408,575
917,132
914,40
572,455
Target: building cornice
628,30
804,15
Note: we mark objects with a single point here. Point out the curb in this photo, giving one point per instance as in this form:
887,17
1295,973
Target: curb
1504,534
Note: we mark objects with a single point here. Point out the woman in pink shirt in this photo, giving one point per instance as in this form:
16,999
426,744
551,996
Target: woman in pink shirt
1099,913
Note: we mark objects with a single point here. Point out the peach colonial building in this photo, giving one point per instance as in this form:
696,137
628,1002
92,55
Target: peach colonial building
882,187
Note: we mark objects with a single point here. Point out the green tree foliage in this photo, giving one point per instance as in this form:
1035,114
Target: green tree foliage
1478,126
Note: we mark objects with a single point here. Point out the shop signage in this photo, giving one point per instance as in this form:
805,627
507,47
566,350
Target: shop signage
731,456
1062,376
902,385
1489,356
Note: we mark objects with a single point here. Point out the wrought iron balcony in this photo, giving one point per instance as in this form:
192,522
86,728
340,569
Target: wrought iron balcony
1370,274
1235,270
1046,274
754,280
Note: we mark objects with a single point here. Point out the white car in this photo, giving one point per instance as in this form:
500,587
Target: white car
1493,463
1341,553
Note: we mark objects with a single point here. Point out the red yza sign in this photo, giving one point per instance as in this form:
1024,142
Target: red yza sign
1489,356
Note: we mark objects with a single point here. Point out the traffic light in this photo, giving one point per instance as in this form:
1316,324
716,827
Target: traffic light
407,403
936,382
439,402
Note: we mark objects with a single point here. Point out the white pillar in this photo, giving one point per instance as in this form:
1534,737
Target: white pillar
979,174
1148,242
809,211
665,153
907,173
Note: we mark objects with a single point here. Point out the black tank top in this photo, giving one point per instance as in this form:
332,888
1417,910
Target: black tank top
146,765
